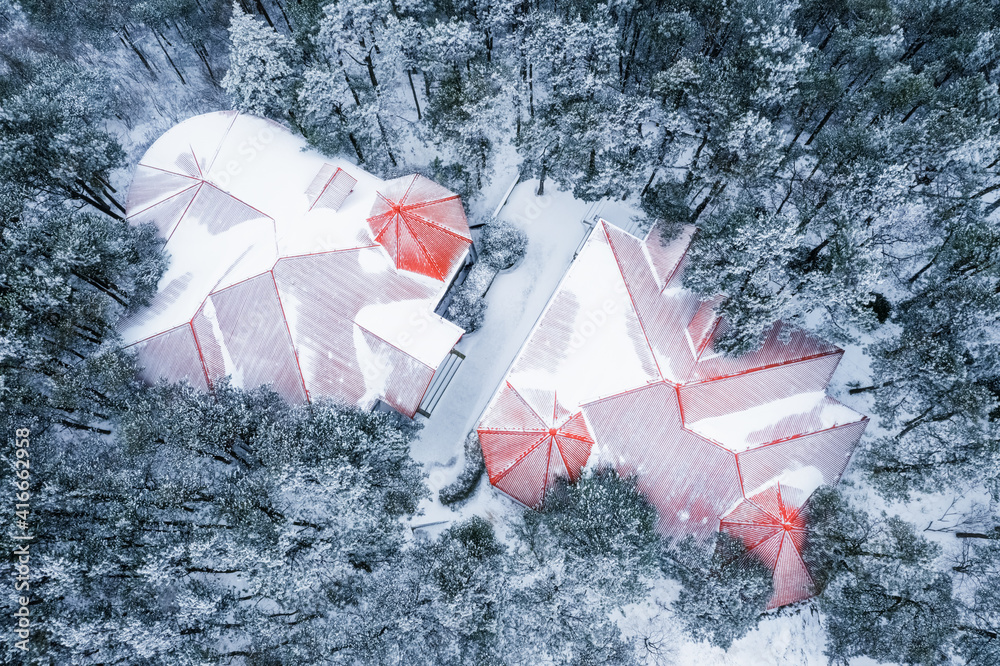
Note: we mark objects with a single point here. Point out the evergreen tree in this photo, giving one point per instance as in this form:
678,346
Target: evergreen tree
724,590
740,252
53,140
881,593
581,559
260,76
214,526
65,279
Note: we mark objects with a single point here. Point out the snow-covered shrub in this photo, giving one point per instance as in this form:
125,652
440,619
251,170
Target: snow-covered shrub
467,309
502,244
462,488
479,278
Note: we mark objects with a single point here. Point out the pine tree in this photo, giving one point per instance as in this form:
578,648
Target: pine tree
261,77
66,279
53,140
724,590
741,251
881,594
218,525
359,43
585,556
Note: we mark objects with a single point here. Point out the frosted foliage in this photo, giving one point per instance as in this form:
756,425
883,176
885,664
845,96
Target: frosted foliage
781,57
754,142
259,79
448,41
749,248
502,244
467,309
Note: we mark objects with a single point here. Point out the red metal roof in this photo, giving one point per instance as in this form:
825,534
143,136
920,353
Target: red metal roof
700,431
535,440
773,527
421,224
330,188
275,277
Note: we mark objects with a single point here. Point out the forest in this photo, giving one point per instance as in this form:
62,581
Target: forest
840,160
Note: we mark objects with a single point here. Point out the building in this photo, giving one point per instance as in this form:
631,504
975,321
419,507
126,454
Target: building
621,371
292,270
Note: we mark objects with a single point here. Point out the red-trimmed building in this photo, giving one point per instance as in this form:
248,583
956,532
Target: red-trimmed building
288,269
621,371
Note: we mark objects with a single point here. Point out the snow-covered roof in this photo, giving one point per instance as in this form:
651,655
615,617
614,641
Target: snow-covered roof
276,275
772,524
626,354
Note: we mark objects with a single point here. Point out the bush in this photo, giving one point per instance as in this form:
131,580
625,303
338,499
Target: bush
467,310
479,279
462,488
502,244
468,307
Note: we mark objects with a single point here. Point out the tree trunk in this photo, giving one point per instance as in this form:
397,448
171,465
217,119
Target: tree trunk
169,59
139,53
263,12
354,93
531,92
385,141
81,426
822,123
409,75
714,192
203,55
371,69
99,205
284,15
357,148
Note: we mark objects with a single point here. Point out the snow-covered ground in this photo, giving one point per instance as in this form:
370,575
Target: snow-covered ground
555,228
786,638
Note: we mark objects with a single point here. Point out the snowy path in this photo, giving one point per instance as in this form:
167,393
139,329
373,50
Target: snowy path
555,228
515,300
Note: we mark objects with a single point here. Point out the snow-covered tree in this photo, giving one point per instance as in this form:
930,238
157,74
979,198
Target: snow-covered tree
219,525
359,55
723,589
469,115
881,594
54,142
580,129
260,79
582,558
66,279
740,251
